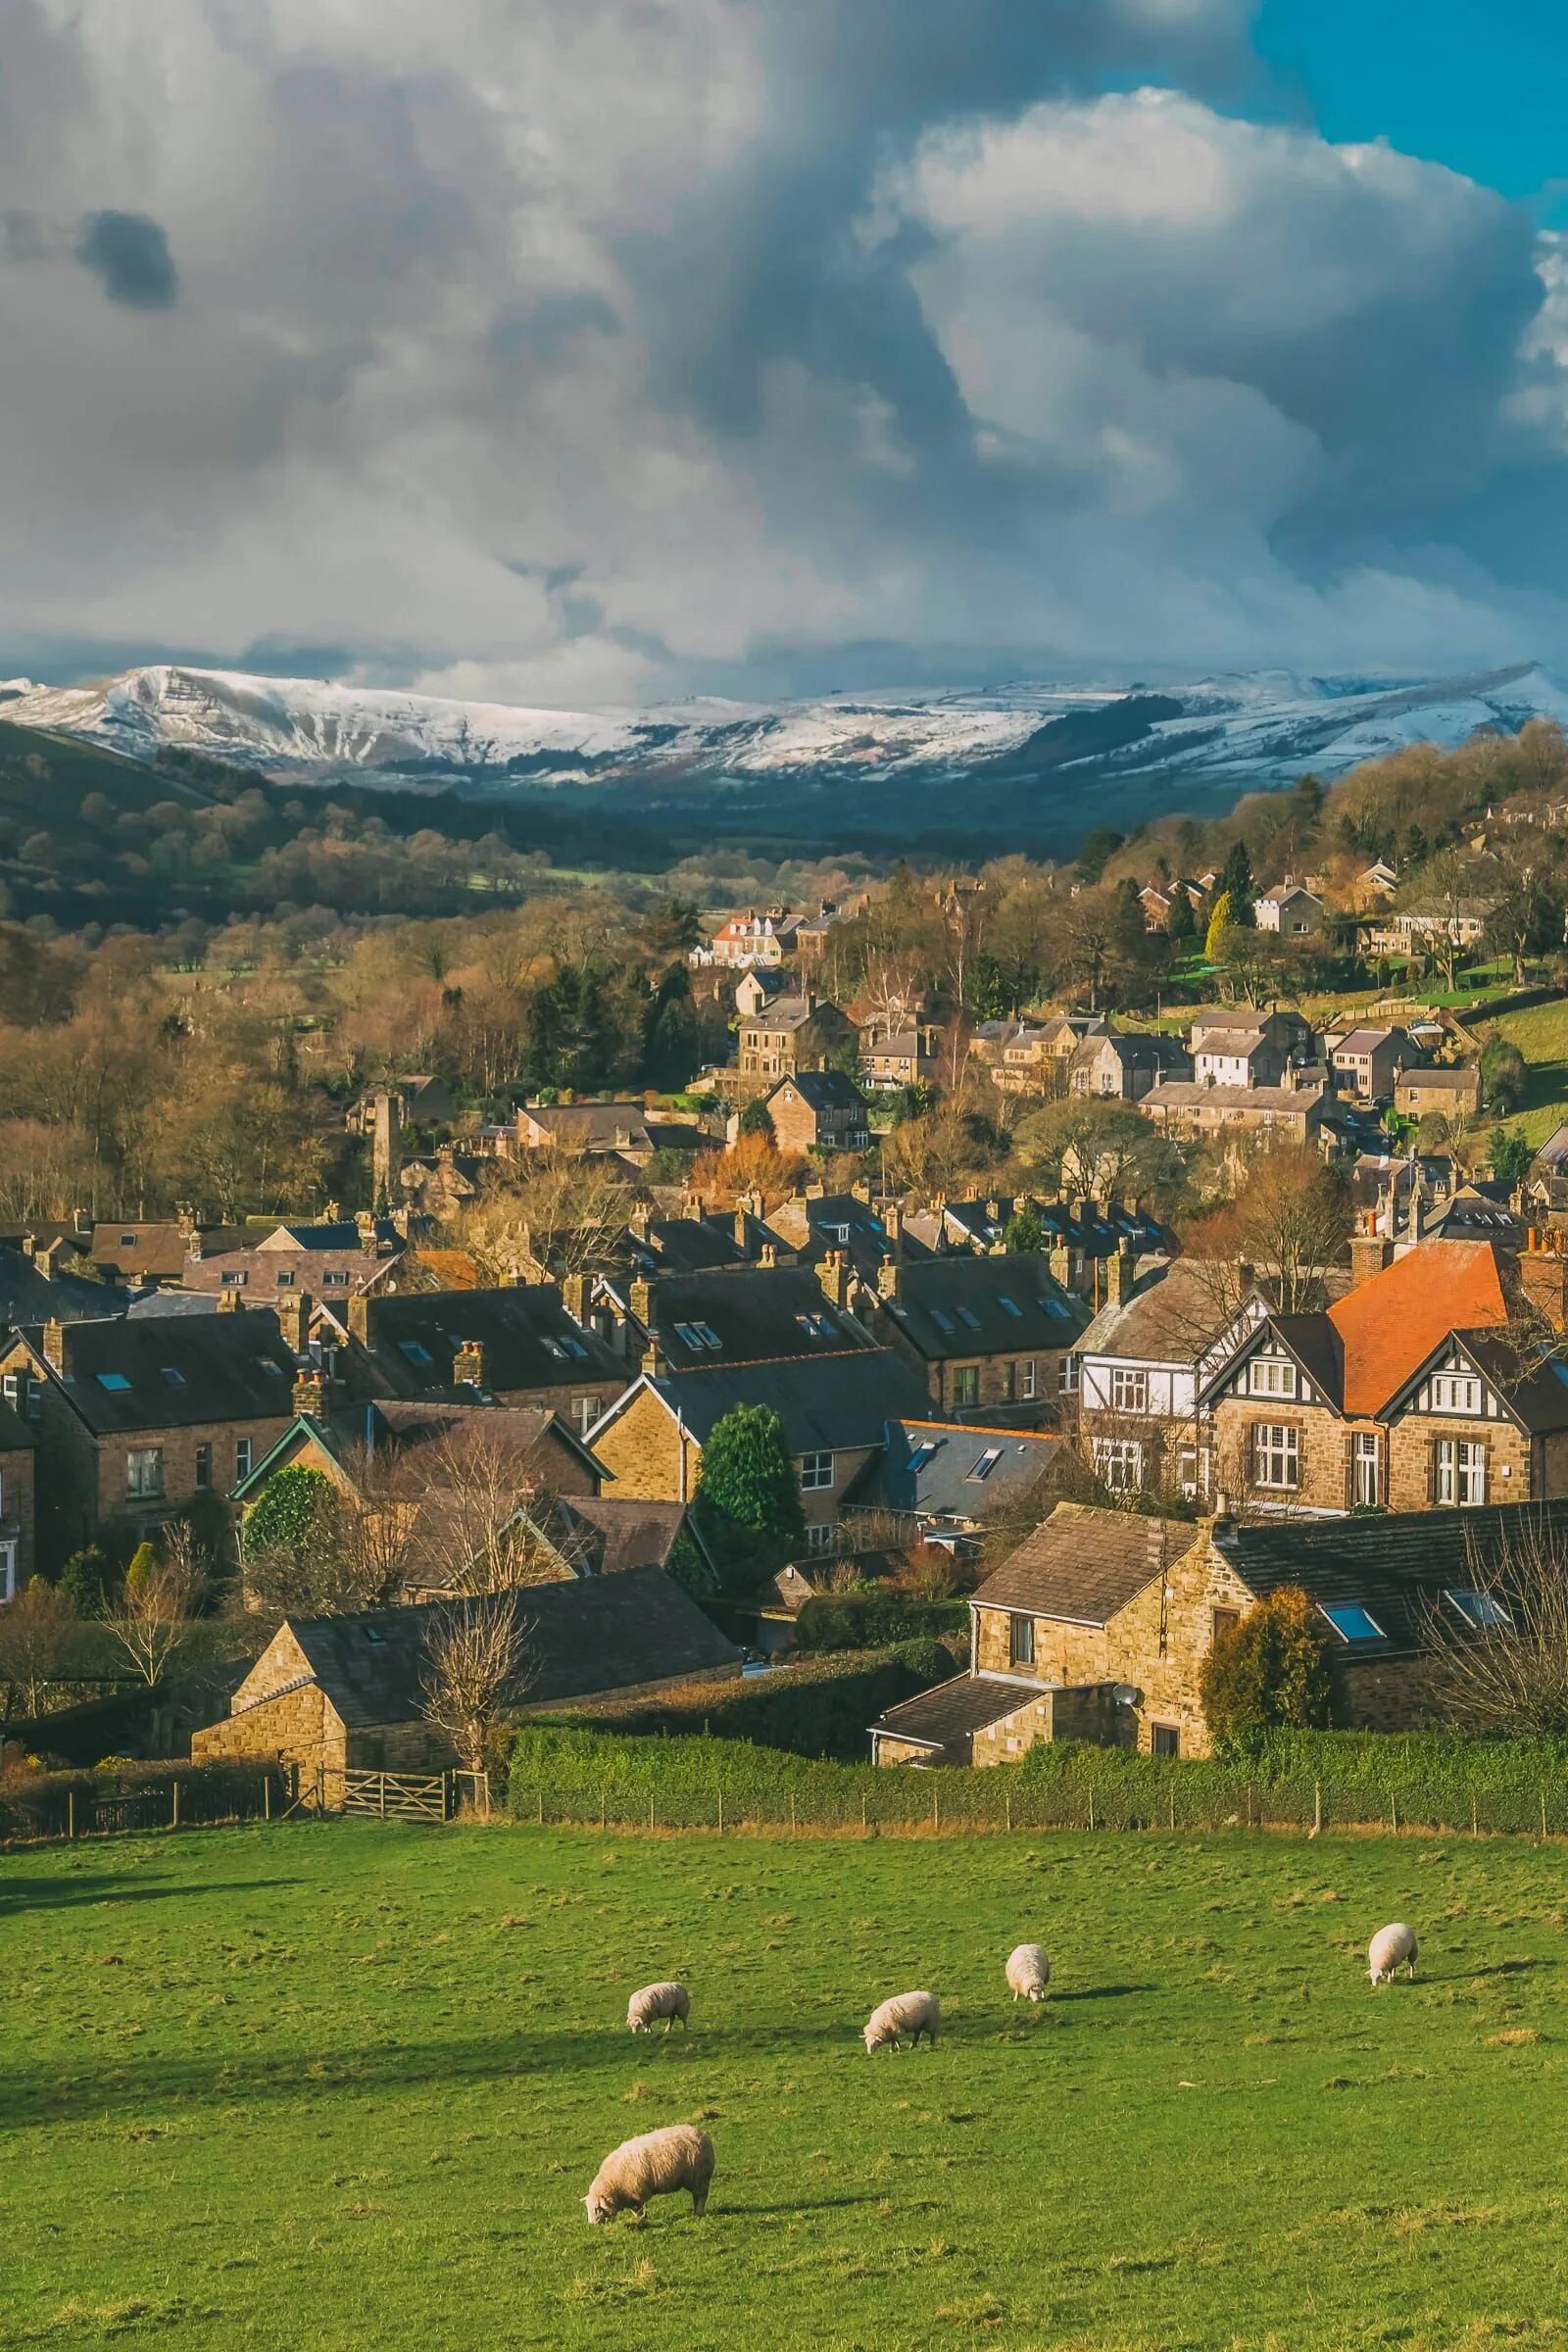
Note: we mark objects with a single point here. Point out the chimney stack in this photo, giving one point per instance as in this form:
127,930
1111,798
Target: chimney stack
644,1301
1121,1274
294,1320
54,1346
1370,1250
833,1274
310,1395
574,1296
469,1366
889,1279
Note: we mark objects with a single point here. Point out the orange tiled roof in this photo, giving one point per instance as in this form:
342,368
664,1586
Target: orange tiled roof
1389,1325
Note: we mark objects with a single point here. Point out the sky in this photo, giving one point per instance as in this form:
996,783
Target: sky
567,352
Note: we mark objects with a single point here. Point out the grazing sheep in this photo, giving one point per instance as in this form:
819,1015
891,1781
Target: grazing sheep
1391,1948
1028,1973
653,2166
655,2001
906,2016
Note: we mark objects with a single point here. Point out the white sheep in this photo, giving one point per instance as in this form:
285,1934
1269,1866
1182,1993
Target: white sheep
656,2165
905,2016
1391,1948
1028,1973
668,2002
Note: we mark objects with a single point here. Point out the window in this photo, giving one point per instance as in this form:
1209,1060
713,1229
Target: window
1129,1390
1067,1376
1120,1464
924,1452
1020,1641
817,1327
1271,1376
1368,1482
986,1463
1165,1740
1483,1610
1459,1472
1455,1393
942,1320
1276,1455
819,1538
585,1412
242,1458
415,1351
334,1281
965,1384
1028,1378
1352,1623
1010,1306
285,1278
1222,1621
113,1381
204,1468
231,1279
144,1471
967,1316
174,1375
1192,1470
8,1572
127,1240
816,1471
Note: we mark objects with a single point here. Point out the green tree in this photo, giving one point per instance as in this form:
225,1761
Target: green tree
1510,1156
1503,1074
1237,883
87,1582
747,1506
1181,928
1219,922
1274,1671
144,1566
1097,851
287,1514
756,1120
1025,1235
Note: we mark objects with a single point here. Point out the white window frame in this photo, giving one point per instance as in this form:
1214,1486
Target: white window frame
1028,1377
1366,1469
1272,1376
8,1572
1129,1390
816,1473
1276,1457
1461,1473
820,1536
1068,1384
1114,1459
144,1483
1456,1393
244,1458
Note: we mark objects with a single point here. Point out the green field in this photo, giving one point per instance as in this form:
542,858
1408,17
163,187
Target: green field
342,2086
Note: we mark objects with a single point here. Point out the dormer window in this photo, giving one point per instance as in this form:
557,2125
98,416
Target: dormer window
1271,1376
1455,1393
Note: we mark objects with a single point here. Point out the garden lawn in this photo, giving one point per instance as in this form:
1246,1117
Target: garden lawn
339,2086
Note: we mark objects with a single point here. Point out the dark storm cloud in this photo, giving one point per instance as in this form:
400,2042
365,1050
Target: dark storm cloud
131,255
605,348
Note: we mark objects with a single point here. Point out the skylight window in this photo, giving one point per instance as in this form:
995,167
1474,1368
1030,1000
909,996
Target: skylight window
1057,1308
942,1320
1353,1624
1010,1306
1480,1609
924,1452
175,1377
986,1463
415,1351
697,1336
817,1327
374,1633
966,1314
114,1381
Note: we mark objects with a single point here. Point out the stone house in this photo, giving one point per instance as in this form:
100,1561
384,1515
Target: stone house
1140,1365
834,1406
515,1345
335,1258
137,1420
1453,1092
750,1315
1032,1057
1099,1626
894,1057
1254,1051
757,988
1296,1111
335,1694
1368,1063
550,1455
750,940
985,1335
789,1035
1124,1068
19,1554
1291,911
1419,1388
590,1130
819,1110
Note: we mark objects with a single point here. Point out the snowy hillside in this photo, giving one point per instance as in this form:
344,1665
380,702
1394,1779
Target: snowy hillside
1047,743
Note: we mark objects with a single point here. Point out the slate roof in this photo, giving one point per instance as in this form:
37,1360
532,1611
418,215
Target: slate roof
827,1404
594,1126
530,1342
928,1468
159,1249
156,1304
1183,1094
1463,1078
757,1313
946,1717
177,1372
313,1266
622,1534
416,1421
826,1090
30,1296
964,1306
1394,1564
585,1638
1171,1317
702,1245
16,1435
1084,1565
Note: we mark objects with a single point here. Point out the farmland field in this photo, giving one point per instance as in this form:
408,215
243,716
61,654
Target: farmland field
325,2086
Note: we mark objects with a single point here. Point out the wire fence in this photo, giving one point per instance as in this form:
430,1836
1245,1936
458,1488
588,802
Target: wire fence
47,1807
943,1803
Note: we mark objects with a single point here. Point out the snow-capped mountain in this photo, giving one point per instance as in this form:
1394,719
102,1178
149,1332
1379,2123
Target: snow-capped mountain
1030,744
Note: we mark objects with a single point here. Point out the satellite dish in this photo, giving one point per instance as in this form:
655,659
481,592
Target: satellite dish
1127,1694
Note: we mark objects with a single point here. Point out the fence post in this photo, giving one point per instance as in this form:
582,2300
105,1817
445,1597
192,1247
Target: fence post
721,1812
173,1820
381,1785
1474,1827
1317,1808
320,1788
792,1823
70,1812
1091,1805
862,1808
1543,1816
267,1797
1173,1805
541,1808
936,1808
650,1812
1007,1796
1393,1810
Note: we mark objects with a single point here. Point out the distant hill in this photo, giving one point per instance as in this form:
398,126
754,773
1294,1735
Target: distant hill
1034,762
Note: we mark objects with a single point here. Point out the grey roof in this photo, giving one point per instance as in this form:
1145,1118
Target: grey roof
964,1306
156,1304
1085,1565
584,1638
1171,1317
16,1435
28,1295
1394,1564
1183,1094
826,1090
756,1313
622,1532
946,1718
530,1342
929,1468
176,1373
827,1404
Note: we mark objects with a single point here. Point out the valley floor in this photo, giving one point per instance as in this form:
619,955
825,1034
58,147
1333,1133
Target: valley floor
344,2085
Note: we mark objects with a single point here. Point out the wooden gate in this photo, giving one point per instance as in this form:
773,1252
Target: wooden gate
398,1796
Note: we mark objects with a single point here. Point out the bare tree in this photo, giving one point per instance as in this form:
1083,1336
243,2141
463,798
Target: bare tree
553,1213
1288,1227
1499,1649
476,1667
38,1634
473,1526
155,1616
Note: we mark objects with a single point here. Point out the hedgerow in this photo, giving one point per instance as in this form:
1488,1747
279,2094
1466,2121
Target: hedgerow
872,1620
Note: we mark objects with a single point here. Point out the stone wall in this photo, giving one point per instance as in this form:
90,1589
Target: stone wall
643,1450
19,1507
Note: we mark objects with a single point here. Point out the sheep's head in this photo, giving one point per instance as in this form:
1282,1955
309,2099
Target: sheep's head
599,2205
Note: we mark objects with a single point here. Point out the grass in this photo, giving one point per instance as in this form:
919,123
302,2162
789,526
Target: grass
1540,1033
344,2085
